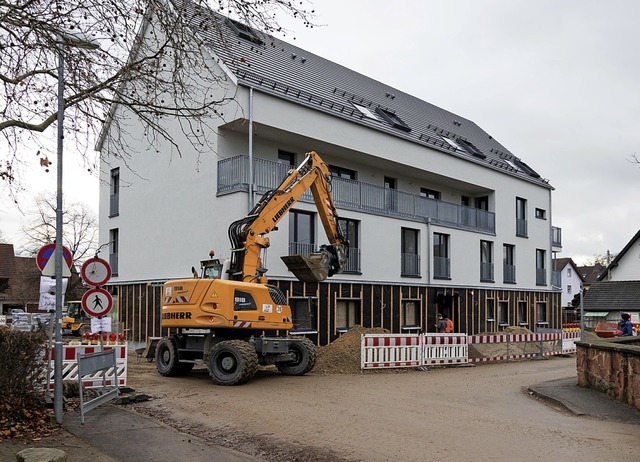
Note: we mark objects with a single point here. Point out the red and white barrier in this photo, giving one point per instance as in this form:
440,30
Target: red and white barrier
390,350
442,349
70,366
412,350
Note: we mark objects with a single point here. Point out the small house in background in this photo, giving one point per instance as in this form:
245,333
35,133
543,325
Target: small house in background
617,288
590,274
570,281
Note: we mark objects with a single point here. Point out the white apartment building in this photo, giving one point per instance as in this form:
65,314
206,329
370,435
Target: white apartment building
440,216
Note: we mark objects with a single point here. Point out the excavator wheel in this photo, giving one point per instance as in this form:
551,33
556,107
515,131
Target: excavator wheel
232,362
305,353
167,359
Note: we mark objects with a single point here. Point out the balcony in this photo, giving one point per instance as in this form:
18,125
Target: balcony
556,237
541,276
486,272
509,274
233,176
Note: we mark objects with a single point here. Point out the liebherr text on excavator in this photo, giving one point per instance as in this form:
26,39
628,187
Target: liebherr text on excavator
229,317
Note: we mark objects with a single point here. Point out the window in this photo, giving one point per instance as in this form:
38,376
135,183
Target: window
569,272
569,289
452,143
365,111
410,260
302,311
286,158
541,271
302,239
441,261
114,197
509,263
522,313
342,172
430,193
410,314
541,213
482,202
490,310
521,217
347,314
244,31
393,119
113,250
486,261
503,320
541,313
351,231
471,148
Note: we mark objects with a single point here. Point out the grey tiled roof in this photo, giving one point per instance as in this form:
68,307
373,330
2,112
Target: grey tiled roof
7,261
286,71
613,296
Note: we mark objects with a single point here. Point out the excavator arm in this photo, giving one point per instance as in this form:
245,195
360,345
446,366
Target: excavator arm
249,238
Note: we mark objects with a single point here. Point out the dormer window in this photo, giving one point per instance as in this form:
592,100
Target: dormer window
244,31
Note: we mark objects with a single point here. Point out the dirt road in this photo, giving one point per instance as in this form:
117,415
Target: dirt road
478,413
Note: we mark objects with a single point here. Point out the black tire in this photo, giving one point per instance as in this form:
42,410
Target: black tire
232,362
305,353
167,361
81,331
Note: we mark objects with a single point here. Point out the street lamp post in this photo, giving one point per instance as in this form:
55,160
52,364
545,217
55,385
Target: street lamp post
73,40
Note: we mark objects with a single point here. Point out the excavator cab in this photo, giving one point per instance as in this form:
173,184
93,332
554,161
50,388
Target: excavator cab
211,269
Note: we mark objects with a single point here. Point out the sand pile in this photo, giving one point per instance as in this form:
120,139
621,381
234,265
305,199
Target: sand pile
342,356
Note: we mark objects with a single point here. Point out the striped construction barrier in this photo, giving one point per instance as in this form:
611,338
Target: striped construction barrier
380,351
390,350
95,380
445,349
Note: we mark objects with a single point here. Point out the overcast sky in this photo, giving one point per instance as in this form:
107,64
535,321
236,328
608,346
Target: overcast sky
555,81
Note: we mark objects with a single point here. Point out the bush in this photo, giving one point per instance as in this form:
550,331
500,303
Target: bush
22,372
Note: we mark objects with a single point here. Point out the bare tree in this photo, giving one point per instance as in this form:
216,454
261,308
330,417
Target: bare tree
135,74
80,227
602,260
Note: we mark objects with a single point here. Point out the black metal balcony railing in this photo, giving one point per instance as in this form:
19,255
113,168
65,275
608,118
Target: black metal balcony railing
441,267
410,264
233,176
114,204
486,272
509,273
521,227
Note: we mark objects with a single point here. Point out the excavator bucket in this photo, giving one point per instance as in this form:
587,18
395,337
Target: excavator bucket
308,268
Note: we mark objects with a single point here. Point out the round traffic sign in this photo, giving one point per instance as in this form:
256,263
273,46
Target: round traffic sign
97,302
96,272
47,251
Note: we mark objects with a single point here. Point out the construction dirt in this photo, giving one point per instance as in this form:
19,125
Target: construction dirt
340,413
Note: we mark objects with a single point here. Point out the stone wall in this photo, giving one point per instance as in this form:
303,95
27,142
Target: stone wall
611,366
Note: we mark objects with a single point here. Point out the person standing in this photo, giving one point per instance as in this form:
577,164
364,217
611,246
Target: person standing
441,325
449,324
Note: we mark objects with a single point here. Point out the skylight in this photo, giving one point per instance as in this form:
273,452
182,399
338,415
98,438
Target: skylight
365,111
452,143
393,119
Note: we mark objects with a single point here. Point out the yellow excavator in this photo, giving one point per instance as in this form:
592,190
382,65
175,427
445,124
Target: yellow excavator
229,317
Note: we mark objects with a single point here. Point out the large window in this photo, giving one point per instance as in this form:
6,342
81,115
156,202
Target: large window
390,193
410,315
286,158
114,197
509,263
521,217
541,267
347,314
441,260
302,239
486,261
503,320
430,193
342,172
351,230
490,310
522,313
410,259
113,250
303,312
541,313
